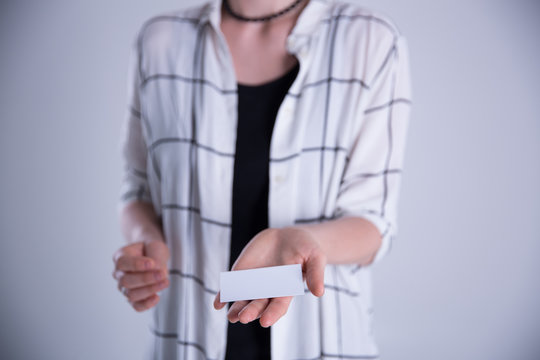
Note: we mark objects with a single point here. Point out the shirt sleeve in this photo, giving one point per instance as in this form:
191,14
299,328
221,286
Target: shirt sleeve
371,182
132,142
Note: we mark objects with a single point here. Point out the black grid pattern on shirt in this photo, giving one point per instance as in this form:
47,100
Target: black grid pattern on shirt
324,355
195,143
167,140
201,81
144,28
390,138
334,28
196,279
174,336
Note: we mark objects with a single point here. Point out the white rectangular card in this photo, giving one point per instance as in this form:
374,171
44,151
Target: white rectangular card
261,283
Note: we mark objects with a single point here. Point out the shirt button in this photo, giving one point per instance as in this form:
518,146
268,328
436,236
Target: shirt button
279,179
288,110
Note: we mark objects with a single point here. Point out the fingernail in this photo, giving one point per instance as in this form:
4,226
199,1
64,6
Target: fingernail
264,324
229,317
148,264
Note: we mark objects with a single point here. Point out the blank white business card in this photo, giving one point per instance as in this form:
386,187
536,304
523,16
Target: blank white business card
261,283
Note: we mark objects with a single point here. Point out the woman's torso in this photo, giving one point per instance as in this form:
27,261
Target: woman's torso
189,113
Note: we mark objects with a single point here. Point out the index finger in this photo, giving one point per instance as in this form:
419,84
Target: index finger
315,274
134,263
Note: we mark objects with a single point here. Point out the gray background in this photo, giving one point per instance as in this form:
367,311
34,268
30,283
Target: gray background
462,279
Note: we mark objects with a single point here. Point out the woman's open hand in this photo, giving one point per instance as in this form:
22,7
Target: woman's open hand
273,247
141,272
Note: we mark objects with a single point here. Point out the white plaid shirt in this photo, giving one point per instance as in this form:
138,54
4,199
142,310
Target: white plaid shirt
337,150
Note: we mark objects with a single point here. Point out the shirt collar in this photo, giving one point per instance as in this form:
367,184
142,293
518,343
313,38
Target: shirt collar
301,33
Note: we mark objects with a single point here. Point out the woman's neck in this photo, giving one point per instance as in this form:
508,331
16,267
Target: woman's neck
258,8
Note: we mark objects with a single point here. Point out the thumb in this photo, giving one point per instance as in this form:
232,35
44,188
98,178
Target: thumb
157,250
314,268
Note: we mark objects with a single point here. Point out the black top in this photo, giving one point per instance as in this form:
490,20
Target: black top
257,110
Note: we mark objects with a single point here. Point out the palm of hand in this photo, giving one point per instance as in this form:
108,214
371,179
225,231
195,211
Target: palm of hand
273,247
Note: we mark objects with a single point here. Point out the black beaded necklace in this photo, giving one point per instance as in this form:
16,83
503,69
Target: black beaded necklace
262,18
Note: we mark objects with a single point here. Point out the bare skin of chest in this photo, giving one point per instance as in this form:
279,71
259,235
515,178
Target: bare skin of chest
258,50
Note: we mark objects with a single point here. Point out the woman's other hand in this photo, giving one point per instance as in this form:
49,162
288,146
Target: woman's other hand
273,247
141,272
